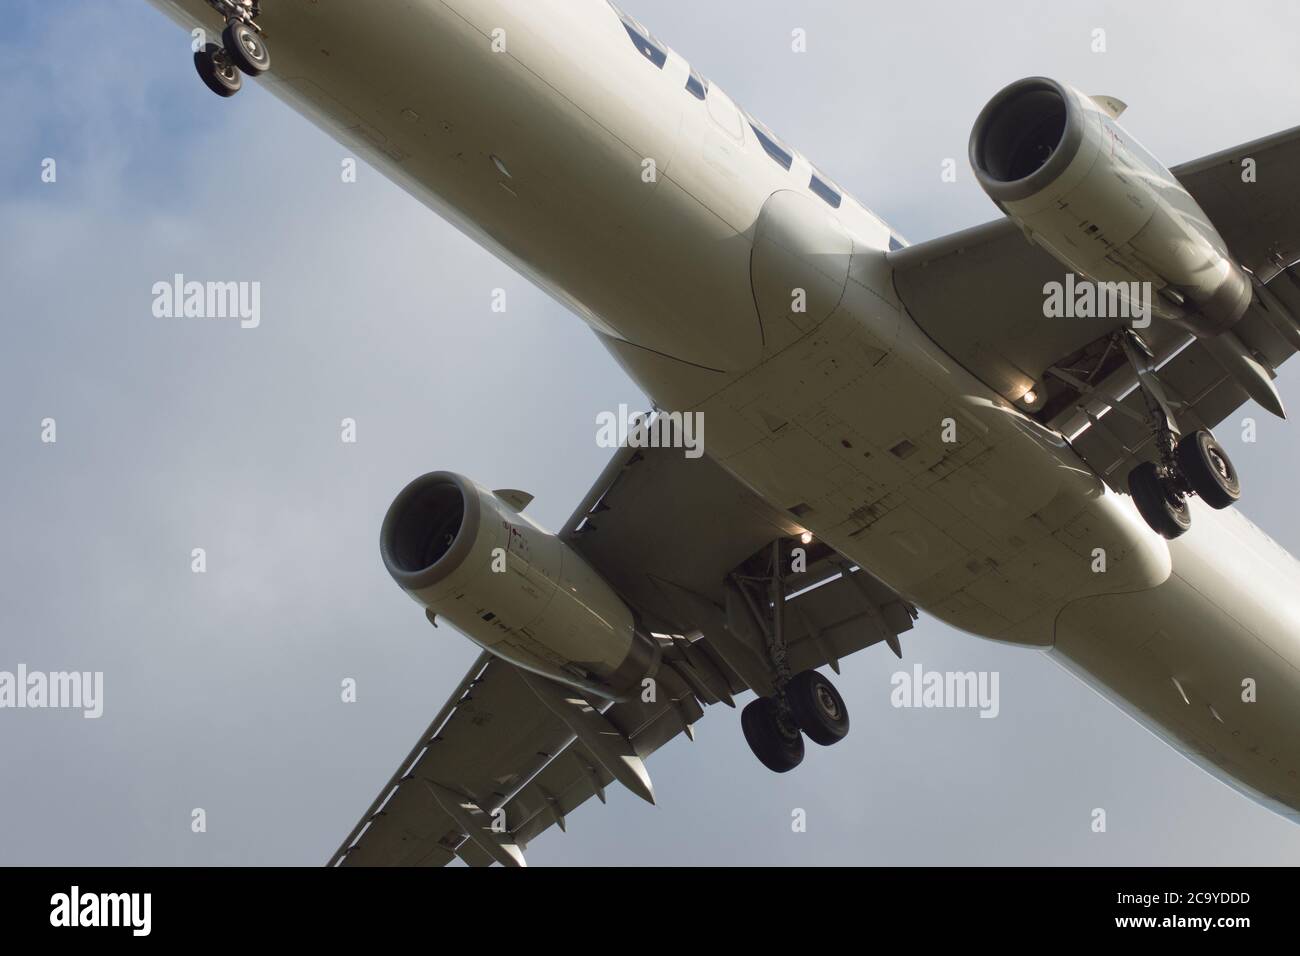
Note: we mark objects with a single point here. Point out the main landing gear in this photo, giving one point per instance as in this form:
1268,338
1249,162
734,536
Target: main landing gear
1195,464
774,729
805,704
243,49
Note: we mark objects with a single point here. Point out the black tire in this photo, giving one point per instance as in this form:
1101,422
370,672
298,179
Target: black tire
818,708
778,748
246,47
217,72
1208,469
1164,510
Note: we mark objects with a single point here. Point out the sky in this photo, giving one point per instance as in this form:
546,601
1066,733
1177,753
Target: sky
222,689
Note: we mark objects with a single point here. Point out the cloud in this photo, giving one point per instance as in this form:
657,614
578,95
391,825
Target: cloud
222,689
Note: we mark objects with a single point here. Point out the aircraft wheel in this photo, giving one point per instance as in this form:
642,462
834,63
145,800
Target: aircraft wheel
1208,469
818,708
1159,504
217,71
778,747
247,48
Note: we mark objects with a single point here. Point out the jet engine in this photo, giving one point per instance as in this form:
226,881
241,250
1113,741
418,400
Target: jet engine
467,555
1059,165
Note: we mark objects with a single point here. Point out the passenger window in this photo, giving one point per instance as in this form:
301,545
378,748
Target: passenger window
698,85
824,189
643,39
771,145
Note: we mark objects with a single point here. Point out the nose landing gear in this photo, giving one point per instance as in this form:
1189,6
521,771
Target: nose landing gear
244,49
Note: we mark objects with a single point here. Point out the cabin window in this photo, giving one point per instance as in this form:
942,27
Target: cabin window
827,192
643,39
771,145
697,85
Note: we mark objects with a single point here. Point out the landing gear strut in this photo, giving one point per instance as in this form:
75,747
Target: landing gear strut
1195,464
803,704
243,48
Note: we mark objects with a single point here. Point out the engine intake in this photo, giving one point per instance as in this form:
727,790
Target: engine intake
1024,139
512,587
423,527
1059,165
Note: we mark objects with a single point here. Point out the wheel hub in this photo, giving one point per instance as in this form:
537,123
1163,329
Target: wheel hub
1219,464
827,703
787,728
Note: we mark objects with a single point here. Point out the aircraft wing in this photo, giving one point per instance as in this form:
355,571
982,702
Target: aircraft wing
510,747
1259,217
496,746
979,294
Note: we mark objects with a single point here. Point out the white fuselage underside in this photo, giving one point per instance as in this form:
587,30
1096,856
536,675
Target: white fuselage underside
541,131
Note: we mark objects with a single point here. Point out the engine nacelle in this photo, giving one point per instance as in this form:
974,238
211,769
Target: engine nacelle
1058,164
512,587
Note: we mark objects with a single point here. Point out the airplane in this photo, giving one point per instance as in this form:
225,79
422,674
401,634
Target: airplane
892,428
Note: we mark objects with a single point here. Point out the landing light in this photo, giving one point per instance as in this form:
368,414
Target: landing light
1030,397
806,537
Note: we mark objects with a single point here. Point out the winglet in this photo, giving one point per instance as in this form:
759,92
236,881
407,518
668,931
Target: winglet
517,500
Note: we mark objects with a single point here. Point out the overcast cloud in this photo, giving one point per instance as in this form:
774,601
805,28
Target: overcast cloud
222,690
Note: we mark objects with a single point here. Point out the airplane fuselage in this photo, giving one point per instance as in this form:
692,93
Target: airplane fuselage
730,277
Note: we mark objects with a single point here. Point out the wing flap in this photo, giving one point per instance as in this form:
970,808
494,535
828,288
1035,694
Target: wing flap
576,775
495,737
1202,388
1256,208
